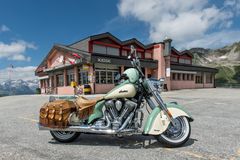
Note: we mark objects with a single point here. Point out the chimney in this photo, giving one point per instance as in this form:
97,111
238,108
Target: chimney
167,46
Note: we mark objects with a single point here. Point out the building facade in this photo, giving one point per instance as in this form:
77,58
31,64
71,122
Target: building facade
97,59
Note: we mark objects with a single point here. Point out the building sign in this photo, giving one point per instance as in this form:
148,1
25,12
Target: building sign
121,61
103,60
168,72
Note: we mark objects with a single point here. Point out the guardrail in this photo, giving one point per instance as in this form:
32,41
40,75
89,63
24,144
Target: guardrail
228,85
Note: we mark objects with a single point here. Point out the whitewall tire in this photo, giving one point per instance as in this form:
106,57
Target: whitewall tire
177,135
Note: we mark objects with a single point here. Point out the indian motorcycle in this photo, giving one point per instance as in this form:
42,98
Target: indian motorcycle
120,112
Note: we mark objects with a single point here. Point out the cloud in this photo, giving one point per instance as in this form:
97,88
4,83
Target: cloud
4,28
24,73
213,40
233,5
15,50
183,21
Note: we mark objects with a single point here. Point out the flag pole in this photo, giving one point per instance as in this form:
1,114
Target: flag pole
9,77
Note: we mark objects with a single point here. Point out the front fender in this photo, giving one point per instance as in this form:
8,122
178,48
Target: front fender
157,121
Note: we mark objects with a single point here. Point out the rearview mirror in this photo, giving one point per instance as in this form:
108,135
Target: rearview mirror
117,77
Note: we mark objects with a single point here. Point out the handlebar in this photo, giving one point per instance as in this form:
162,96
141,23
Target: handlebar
135,60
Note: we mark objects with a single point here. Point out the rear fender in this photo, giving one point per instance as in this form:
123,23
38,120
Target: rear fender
158,122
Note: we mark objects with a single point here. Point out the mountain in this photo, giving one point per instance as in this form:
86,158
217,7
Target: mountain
226,59
17,87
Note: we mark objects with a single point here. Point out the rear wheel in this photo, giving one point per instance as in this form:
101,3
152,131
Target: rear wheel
64,137
177,135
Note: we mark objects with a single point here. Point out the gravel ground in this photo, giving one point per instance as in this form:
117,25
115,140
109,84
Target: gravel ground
215,132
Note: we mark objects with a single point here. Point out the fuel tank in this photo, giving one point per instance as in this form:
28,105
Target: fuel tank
122,91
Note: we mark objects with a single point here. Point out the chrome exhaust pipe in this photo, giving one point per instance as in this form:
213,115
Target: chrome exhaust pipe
86,129
82,129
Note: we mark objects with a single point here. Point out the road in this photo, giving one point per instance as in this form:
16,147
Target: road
215,132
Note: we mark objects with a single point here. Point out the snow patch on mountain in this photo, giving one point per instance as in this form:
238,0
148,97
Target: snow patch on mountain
17,87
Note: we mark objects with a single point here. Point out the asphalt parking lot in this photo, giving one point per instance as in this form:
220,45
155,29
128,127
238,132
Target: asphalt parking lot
215,132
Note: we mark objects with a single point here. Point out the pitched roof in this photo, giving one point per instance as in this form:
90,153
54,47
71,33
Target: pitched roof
65,48
115,39
182,52
100,36
105,35
187,52
133,40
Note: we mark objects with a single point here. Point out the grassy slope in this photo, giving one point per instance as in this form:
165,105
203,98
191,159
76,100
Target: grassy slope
225,74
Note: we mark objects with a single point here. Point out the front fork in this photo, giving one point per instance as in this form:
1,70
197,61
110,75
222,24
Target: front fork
156,95
163,107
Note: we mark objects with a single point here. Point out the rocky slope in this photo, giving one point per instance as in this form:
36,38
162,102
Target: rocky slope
226,59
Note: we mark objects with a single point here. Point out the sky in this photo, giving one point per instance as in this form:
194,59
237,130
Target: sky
29,28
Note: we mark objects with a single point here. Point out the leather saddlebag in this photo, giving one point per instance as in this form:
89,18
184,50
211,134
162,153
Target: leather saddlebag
85,106
55,114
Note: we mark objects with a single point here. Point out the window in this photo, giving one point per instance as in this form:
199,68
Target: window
184,61
174,59
105,50
187,61
99,49
178,76
124,53
109,77
60,80
112,51
105,76
148,55
173,76
191,77
199,78
209,78
83,77
181,60
139,54
184,77
97,77
70,76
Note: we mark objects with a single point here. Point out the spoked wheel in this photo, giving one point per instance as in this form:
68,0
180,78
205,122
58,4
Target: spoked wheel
177,135
64,137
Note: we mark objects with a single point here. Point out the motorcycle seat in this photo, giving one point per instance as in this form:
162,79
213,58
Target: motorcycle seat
83,102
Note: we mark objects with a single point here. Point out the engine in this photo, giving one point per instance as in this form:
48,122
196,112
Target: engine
120,112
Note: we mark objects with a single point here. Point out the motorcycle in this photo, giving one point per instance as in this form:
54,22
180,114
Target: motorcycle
120,112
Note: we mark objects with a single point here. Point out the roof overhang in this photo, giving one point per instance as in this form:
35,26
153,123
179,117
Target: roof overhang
194,68
44,77
187,72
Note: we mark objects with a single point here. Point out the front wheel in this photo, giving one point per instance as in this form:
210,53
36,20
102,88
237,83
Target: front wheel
177,135
64,137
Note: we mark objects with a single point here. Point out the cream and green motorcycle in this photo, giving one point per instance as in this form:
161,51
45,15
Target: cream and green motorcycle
121,112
